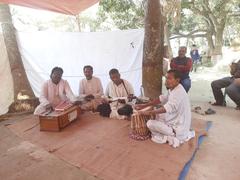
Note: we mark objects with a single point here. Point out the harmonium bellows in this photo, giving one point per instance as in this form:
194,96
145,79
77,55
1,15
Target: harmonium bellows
57,120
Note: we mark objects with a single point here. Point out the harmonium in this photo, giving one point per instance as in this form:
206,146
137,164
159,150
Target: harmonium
59,119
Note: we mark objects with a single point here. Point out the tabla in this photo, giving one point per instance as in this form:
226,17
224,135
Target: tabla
139,129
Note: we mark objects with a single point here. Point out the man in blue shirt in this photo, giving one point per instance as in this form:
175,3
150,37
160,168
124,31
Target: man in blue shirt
195,57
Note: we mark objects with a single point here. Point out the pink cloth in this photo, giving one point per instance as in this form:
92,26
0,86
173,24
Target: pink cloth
72,7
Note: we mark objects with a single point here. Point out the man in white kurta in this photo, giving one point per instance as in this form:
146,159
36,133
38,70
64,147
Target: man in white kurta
53,92
118,89
173,118
90,89
90,85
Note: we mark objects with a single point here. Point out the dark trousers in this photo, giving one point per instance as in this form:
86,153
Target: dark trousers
186,83
232,90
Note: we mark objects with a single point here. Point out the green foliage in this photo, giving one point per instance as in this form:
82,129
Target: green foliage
129,14
122,14
189,22
215,11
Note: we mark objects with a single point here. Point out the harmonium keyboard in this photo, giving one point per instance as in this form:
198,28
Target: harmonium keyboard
57,120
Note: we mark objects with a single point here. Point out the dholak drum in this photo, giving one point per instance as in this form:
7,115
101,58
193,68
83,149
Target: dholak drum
139,130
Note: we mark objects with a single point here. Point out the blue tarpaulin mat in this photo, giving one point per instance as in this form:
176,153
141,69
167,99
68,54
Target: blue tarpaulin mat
186,168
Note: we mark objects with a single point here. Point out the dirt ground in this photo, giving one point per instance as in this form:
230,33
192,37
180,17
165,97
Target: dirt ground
22,160
218,158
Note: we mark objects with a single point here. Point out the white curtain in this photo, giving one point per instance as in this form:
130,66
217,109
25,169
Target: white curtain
6,87
41,51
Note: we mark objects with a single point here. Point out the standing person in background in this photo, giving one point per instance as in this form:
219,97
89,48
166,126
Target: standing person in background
183,64
195,57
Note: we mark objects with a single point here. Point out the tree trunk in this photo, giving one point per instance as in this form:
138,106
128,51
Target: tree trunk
22,88
218,42
153,50
210,44
78,22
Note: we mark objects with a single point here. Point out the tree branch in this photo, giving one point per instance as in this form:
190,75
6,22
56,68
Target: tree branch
232,13
191,34
205,5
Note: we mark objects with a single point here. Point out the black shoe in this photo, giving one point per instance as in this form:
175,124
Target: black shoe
210,111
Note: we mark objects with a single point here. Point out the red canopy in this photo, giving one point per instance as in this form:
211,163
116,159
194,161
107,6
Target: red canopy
72,7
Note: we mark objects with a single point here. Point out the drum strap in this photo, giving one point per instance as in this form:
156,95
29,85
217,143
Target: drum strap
174,132
125,87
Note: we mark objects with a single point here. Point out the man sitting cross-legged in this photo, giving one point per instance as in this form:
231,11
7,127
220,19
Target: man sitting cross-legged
173,118
90,89
120,91
54,91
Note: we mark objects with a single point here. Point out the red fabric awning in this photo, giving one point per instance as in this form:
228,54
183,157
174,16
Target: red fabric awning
72,7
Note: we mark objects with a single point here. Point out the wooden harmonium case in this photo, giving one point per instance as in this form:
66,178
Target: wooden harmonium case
57,120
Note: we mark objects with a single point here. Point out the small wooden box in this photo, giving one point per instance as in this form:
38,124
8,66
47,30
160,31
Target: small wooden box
56,121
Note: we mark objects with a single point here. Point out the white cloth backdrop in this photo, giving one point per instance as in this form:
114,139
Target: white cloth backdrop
6,88
41,51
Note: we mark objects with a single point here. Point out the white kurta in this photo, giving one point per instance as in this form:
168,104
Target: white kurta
53,94
92,86
119,91
176,121
114,91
